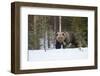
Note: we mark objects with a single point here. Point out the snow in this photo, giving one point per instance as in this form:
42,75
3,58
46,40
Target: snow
58,54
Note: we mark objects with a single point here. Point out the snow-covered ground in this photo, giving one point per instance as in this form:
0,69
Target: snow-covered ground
58,54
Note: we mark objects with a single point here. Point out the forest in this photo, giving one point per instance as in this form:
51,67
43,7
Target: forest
42,30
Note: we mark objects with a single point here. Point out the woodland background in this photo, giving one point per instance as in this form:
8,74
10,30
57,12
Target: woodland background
42,30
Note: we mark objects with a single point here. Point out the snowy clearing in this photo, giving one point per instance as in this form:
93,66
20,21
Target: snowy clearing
58,54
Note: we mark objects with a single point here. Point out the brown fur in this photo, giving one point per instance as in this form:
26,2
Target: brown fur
67,39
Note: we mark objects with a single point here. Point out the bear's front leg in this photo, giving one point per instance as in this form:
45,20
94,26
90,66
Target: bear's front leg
58,45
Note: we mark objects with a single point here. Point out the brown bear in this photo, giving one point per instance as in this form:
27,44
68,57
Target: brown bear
67,39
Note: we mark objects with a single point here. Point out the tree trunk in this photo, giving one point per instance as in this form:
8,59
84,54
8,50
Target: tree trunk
59,23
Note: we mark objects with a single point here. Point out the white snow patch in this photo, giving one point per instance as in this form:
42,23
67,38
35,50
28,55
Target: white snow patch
58,54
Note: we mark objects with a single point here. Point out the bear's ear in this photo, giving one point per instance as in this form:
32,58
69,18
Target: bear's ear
63,34
56,34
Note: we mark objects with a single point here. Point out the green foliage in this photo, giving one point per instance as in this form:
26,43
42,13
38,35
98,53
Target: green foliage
78,25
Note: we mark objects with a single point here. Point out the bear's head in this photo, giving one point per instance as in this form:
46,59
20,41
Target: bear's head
60,37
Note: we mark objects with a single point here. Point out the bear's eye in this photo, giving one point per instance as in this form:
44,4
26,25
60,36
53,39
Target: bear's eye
56,34
63,34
